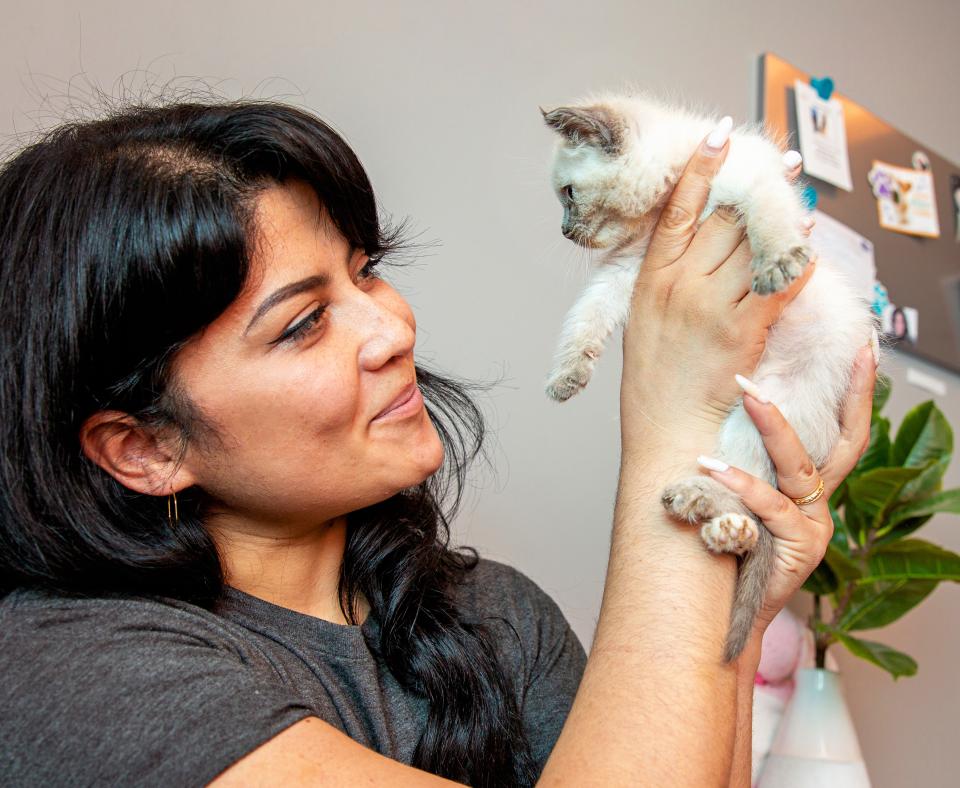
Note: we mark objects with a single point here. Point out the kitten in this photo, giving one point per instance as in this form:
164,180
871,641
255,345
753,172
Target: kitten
616,162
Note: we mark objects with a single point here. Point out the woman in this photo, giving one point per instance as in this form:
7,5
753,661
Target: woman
224,536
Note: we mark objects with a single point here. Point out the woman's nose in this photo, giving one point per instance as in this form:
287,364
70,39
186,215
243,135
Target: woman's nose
386,330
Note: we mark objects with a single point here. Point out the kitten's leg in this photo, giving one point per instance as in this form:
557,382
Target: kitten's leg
601,308
728,526
772,212
732,532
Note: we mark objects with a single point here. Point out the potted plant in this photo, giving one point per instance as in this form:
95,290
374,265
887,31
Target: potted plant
874,571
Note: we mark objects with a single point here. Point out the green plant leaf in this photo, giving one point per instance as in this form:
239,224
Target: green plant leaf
881,393
878,450
893,490
841,534
856,524
896,663
822,581
929,481
924,435
874,605
839,496
911,559
946,501
903,529
844,568
872,494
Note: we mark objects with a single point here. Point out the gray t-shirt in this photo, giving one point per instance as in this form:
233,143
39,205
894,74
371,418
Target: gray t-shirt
119,691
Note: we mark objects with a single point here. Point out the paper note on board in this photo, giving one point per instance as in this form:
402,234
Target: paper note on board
823,137
845,250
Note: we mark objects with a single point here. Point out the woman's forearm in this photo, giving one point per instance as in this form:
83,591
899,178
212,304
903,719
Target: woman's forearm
656,705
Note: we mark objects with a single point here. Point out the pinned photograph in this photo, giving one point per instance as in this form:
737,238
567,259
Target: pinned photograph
899,323
905,199
920,161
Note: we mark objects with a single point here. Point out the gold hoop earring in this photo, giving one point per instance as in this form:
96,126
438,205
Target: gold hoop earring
173,519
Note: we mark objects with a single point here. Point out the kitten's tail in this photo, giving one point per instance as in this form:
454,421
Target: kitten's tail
751,585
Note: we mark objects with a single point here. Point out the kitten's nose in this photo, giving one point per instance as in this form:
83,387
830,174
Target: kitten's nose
567,231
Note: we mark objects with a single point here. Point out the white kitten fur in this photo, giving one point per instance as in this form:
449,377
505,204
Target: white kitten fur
621,157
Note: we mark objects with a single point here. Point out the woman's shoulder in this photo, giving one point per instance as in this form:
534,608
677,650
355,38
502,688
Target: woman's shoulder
38,602
496,590
134,679
497,582
41,627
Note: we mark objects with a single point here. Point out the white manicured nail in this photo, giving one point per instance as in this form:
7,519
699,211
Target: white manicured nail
751,388
718,137
807,222
712,464
875,346
792,159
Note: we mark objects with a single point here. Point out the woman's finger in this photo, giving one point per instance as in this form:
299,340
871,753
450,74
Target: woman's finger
722,232
715,240
797,476
731,280
854,419
793,164
678,221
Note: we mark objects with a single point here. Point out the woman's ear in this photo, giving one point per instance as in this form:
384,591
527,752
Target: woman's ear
132,454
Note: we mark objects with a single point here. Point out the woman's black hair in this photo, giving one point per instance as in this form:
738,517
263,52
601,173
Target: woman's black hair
120,239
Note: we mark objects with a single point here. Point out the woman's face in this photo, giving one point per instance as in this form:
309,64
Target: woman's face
295,372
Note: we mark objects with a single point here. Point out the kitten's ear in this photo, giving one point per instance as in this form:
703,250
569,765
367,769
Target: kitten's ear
596,126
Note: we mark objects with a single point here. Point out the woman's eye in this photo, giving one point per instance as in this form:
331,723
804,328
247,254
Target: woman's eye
297,332
368,269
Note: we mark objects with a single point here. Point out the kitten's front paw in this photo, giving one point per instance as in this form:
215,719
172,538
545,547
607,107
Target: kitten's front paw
694,500
730,533
772,276
567,380
562,388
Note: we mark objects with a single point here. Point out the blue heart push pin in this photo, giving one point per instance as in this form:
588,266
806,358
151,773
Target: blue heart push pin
823,86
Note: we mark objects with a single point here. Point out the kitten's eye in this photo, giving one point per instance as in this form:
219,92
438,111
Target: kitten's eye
568,192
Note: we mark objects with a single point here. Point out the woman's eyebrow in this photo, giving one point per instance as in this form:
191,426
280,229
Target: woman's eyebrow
285,292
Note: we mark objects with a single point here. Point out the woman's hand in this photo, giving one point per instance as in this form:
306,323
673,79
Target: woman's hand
694,322
801,533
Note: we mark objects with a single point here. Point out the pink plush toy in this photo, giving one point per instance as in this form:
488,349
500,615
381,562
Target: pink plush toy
780,654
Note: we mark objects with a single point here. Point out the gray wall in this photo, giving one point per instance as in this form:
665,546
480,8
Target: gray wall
440,100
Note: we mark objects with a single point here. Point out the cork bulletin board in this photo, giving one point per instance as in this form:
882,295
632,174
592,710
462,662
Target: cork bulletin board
918,272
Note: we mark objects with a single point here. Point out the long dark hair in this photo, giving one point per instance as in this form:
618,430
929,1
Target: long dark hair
120,239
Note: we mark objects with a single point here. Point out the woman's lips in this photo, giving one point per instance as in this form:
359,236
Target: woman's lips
408,402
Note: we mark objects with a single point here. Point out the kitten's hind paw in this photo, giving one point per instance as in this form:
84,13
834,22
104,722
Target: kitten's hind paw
730,533
695,499
772,276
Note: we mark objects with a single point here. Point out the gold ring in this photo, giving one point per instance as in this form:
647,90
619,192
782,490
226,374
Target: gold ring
814,496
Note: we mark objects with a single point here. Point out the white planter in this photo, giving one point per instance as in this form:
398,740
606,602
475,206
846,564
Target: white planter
815,744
